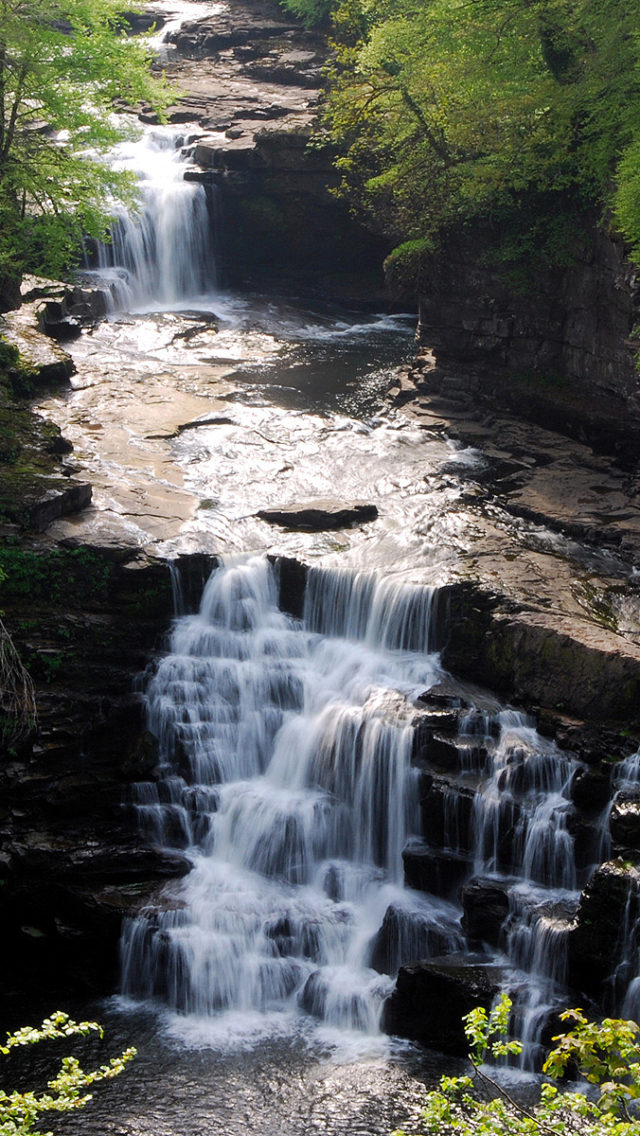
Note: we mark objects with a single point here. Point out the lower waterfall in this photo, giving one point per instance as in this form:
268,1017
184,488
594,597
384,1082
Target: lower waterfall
298,762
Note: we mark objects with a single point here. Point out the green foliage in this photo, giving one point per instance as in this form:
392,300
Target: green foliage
64,68
73,576
519,115
606,1054
402,267
311,12
20,1111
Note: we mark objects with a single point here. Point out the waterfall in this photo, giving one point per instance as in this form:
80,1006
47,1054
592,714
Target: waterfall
161,254
291,772
286,774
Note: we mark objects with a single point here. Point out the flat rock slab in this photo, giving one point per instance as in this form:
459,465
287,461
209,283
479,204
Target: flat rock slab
320,514
49,362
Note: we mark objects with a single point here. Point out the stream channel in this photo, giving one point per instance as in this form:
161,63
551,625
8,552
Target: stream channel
254,991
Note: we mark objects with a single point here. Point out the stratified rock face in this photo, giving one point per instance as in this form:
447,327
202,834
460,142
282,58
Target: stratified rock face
431,998
566,341
538,656
320,514
48,362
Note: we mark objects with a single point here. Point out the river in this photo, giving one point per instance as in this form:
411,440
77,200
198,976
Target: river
286,744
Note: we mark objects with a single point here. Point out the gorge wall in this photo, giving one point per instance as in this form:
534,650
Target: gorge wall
555,345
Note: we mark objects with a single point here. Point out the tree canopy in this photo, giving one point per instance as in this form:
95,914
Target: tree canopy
525,112
64,67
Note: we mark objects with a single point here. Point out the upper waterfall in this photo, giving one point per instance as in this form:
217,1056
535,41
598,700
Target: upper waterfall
161,254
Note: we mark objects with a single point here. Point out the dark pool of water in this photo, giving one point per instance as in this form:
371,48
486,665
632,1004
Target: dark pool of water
290,1085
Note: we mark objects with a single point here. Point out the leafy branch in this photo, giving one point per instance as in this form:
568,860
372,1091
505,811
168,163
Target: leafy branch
20,1111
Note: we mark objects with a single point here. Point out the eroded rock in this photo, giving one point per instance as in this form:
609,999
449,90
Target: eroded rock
320,514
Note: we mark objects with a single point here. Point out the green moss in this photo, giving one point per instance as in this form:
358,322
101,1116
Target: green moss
74,577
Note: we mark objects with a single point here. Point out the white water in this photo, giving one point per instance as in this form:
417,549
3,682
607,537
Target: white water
162,254
287,774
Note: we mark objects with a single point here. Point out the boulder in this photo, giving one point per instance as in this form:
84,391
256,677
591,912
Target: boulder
319,515
439,873
407,935
591,788
431,998
486,906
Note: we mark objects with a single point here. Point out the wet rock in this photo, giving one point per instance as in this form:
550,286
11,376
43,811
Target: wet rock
141,757
406,936
99,860
438,873
446,811
587,836
486,905
292,575
554,661
48,363
53,503
596,939
454,754
624,819
320,514
591,788
431,998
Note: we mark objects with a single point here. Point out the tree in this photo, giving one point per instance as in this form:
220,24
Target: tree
64,67
20,1111
606,1054
520,112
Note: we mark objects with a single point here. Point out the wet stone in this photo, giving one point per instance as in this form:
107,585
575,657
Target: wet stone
406,936
429,870
446,812
624,821
320,514
591,788
431,998
486,906
607,904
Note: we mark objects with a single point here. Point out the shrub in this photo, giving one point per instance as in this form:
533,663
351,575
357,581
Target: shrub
606,1054
20,1111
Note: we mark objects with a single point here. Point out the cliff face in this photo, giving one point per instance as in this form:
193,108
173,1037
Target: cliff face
252,82
562,336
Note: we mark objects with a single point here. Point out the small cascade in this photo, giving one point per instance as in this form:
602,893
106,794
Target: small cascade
624,982
360,605
161,255
286,773
503,808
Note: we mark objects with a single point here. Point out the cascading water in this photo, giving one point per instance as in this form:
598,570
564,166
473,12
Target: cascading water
289,774
160,255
